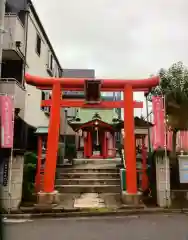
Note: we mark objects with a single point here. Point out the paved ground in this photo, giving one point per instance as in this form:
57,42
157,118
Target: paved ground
155,227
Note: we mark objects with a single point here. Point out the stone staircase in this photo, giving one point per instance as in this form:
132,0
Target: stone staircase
89,183
88,180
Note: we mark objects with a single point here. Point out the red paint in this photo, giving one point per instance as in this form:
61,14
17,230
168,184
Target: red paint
71,84
104,145
90,144
38,174
129,141
114,145
82,104
85,146
53,139
107,154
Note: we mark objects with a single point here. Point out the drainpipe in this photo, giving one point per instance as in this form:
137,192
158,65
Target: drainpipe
65,130
2,30
25,128
149,144
149,135
26,39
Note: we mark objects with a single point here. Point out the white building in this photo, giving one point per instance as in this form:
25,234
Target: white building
26,41
26,48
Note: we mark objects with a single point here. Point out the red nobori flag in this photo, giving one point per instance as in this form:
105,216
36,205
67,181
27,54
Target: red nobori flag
159,124
7,124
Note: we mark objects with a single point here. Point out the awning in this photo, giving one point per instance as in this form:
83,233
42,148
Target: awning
41,130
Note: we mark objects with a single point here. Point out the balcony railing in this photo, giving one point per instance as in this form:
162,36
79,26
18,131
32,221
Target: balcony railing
14,33
13,87
12,80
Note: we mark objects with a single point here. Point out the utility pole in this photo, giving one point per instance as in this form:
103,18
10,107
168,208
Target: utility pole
2,30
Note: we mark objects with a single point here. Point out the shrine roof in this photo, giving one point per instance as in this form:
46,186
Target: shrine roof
94,122
115,123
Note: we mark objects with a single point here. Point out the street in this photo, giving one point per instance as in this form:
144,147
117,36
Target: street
155,227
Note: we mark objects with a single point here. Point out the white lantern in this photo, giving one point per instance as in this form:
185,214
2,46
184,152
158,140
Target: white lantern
85,134
123,133
80,132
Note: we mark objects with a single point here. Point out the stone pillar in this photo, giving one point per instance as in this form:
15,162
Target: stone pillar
163,180
11,195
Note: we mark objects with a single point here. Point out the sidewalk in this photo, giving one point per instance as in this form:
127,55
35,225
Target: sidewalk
33,213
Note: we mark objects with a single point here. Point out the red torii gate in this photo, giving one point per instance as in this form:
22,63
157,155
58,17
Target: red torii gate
57,85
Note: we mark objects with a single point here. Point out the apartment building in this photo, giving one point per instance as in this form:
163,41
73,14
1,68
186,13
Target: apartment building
26,48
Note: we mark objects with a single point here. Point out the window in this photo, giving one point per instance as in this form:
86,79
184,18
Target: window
60,72
43,98
51,68
38,45
51,62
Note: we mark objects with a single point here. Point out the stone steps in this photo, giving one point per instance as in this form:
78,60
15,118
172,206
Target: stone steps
88,175
87,170
88,188
82,181
96,161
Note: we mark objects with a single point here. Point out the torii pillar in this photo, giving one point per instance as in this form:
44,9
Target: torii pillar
131,196
49,195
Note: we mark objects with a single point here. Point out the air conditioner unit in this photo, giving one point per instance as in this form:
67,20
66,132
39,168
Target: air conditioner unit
46,110
49,70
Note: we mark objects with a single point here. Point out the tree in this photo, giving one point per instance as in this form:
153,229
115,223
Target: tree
174,86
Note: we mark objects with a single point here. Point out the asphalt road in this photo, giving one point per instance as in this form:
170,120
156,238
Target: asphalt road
155,227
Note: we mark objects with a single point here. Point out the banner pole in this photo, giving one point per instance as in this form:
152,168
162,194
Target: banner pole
10,168
166,154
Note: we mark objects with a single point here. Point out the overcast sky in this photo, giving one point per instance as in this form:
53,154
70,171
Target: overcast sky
118,38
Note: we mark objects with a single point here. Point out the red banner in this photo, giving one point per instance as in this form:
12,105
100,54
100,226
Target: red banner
7,124
169,140
158,134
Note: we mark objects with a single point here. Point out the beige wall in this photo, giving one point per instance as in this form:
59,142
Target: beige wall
37,65
14,32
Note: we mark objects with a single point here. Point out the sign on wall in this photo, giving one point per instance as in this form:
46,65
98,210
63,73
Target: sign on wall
5,172
73,94
183,168
7,124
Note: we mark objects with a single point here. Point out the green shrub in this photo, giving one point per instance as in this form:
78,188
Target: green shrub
30,163
70,151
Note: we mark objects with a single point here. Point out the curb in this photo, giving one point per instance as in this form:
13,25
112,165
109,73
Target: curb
93,214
